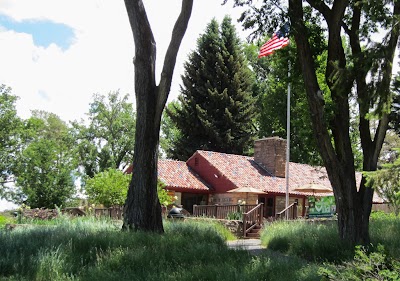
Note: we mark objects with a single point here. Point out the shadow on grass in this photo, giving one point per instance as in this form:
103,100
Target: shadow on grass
97,250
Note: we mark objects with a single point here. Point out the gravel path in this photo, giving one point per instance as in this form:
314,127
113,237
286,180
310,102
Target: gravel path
252,245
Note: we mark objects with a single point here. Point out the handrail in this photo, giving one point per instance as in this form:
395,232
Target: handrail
254,217
252,210
219,211
291,206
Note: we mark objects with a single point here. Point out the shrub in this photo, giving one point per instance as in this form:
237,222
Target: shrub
234,216
376,265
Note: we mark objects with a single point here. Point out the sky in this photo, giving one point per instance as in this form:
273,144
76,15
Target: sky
55,54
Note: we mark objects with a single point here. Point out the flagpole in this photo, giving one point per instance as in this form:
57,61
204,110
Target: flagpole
280,40
287,142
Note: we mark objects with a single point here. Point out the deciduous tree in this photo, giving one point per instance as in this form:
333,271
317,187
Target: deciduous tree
272,87
45,166
10,126
142,207
363,75
106,142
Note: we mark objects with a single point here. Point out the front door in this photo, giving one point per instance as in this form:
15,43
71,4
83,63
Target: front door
190,199
269,205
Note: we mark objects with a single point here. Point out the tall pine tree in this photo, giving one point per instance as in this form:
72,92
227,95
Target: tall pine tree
217,109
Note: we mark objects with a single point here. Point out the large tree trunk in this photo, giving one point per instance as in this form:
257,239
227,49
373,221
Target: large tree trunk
142,207
143,210
353,204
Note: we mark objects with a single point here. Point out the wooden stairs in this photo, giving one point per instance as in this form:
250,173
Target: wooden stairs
252,222
254,233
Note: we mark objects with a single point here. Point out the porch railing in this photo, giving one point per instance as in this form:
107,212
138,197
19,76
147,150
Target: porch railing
292,212
221,211
252,218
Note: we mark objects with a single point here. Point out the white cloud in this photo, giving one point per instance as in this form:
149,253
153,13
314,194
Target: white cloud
100,57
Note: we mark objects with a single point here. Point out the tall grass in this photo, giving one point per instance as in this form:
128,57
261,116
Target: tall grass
89,249
320,242
6,218
311,241
385,230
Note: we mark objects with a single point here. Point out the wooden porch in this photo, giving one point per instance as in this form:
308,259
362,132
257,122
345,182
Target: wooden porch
251,215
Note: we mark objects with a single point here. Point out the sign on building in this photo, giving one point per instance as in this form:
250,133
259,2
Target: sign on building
321,206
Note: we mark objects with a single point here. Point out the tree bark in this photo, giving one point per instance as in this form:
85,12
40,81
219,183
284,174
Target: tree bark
353,205
142,207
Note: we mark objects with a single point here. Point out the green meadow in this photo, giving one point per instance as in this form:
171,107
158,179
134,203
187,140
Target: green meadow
96,249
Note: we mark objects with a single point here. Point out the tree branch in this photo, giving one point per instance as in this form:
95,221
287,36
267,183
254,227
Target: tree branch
170,57
314,93
387,78
320,7
338,8
145,45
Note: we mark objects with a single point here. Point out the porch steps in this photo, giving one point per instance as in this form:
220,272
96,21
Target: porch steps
254,233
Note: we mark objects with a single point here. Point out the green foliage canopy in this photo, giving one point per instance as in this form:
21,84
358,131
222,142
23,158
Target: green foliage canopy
272,89
10,126
45,164
360,75
108,140
109,187
386,181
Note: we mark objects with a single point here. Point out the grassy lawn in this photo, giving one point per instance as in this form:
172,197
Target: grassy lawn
320,241
90,249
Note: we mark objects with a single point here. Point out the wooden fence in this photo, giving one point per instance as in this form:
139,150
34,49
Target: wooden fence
114,213
221,211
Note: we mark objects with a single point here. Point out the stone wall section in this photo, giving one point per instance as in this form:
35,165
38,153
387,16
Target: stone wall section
234,226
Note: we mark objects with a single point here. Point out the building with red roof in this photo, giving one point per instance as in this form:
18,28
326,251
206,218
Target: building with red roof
207,177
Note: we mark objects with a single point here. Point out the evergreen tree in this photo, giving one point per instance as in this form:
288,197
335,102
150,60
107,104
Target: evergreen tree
217,107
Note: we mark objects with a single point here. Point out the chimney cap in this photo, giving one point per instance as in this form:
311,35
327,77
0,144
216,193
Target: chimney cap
269,138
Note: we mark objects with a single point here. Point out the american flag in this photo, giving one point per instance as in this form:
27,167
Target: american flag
278,41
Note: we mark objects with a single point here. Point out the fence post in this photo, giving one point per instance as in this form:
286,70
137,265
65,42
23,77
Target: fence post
295,210
244,218
215,211
195,210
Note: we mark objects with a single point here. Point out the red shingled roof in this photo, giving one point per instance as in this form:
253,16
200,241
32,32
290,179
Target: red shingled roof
177,174
244,171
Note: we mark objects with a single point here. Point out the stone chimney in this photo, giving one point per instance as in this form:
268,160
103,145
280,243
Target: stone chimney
270,153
